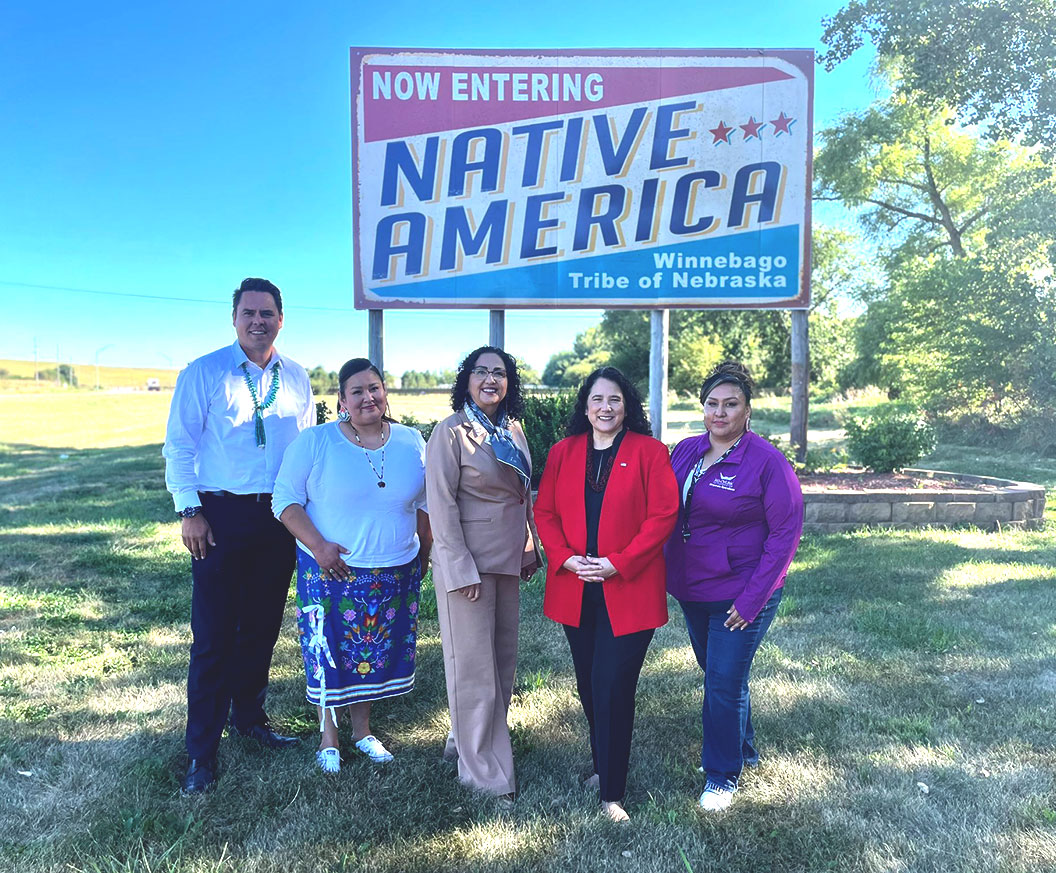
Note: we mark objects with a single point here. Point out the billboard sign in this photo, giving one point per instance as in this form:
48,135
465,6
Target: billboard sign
581,178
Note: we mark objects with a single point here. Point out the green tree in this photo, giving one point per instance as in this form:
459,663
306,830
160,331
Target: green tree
761,340
529,375
968,335
994,60
567,369
323,381
426,378
965,231
922,183
65,374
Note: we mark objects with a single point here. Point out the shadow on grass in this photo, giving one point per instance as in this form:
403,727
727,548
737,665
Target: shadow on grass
87,484
867,683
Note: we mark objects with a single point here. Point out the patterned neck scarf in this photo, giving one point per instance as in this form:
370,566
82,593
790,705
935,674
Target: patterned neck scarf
500,440
258,407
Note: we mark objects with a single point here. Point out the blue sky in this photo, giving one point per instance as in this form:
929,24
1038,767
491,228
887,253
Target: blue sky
170,149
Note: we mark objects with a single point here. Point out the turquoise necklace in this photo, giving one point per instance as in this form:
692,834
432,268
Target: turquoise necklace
258,407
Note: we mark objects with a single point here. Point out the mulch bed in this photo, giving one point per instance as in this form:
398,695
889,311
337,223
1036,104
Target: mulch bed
886,482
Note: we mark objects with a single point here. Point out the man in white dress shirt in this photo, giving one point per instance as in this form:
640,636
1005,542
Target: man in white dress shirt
233,414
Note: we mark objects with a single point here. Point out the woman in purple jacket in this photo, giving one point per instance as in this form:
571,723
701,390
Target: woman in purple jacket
739,524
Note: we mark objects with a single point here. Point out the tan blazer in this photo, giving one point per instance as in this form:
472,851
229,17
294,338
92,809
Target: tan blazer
479,510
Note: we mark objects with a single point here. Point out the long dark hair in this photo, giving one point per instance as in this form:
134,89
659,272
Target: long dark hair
354,368
513,402
634,413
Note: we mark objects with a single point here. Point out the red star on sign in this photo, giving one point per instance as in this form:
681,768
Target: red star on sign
752,128
721,133
782,124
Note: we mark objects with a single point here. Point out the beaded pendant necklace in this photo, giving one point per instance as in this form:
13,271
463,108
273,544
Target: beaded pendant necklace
366,454
258,407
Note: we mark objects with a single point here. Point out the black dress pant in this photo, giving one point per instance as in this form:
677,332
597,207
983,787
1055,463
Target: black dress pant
607,670
238,598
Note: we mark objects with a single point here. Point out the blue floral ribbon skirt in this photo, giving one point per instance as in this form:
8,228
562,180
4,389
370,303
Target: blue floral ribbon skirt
357,636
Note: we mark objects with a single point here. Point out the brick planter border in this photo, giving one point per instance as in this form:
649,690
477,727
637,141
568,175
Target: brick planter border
1008,504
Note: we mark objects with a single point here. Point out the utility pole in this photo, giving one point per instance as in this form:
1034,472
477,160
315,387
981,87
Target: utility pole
98,352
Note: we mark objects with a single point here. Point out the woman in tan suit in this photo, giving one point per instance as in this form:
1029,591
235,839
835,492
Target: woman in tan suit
478,485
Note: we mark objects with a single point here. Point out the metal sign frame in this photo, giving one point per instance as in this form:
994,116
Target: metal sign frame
505,179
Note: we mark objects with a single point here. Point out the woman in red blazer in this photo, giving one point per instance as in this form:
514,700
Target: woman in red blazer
607,503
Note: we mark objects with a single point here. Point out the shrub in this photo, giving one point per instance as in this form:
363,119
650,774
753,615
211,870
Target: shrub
65,373
425,428
322,412
889,440
545,417
823,460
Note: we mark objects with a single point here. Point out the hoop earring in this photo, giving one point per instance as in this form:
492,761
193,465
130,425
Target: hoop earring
342,415
748,423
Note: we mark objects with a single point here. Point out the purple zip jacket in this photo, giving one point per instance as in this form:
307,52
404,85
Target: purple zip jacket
745,521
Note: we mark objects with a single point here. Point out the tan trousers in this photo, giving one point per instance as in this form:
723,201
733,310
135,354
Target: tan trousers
480,657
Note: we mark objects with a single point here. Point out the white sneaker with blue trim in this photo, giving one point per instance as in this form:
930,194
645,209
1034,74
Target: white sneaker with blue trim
371,746
716,797
329,760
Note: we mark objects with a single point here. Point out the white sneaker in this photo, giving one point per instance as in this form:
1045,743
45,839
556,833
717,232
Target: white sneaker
371,746
716,797
329,760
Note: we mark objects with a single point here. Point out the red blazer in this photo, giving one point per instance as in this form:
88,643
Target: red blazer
638,514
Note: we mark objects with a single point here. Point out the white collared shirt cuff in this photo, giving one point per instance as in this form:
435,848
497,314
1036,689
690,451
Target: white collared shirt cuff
185,498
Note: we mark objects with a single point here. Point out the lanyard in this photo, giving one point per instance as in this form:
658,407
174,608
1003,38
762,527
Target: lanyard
698,471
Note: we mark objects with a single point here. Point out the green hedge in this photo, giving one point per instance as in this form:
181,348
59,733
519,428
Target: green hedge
545,417
890,440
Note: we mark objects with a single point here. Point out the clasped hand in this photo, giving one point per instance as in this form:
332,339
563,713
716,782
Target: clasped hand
590,569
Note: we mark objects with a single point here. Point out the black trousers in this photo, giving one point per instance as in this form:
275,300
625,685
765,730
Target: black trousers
607,670
238,598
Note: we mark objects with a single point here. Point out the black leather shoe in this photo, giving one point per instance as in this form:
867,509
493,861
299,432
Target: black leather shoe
264,735
201,774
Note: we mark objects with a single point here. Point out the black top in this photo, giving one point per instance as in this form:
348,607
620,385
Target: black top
599,463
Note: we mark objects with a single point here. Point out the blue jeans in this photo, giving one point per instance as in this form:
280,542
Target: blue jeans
726,656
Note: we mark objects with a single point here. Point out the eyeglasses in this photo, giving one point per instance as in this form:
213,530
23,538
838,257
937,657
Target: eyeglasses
484,372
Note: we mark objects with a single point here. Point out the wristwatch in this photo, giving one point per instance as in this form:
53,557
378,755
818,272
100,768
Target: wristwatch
189,512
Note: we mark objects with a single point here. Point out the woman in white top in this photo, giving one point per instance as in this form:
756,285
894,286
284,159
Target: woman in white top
353,494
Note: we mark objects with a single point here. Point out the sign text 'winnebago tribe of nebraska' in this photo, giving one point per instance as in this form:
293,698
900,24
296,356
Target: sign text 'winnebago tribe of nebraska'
582,178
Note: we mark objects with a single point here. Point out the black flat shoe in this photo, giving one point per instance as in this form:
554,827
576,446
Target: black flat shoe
201,774
264,735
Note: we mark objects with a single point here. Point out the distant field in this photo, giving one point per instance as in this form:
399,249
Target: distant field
82,420
109,377
85,419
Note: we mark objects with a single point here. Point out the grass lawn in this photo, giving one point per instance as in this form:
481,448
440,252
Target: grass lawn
898,660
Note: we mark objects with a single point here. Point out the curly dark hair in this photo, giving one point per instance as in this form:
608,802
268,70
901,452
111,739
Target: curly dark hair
634,413
513,402
730,372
